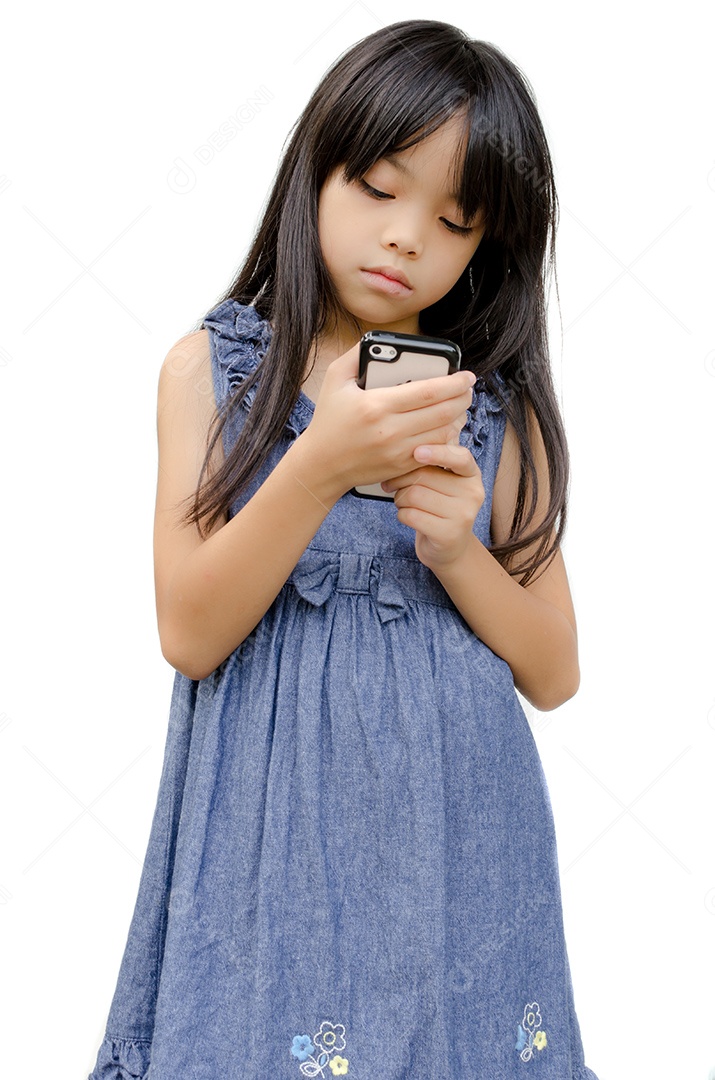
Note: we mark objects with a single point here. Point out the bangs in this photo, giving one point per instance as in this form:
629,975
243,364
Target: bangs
386,112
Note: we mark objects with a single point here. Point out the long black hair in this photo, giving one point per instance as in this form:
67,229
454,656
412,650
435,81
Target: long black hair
386,93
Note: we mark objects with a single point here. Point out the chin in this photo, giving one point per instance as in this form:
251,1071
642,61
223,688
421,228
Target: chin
387,315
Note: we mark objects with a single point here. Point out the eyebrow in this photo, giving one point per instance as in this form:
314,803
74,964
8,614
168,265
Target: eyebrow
394,160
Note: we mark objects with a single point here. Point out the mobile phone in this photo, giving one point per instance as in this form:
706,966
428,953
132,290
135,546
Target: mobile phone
388,359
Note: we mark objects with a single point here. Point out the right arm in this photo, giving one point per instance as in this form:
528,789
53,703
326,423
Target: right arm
210,594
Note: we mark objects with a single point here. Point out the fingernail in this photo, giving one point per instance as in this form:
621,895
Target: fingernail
423,453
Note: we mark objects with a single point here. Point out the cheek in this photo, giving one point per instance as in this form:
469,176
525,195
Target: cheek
336,227
326,232
451,267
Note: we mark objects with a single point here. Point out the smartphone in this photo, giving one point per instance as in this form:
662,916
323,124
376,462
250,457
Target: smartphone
388,359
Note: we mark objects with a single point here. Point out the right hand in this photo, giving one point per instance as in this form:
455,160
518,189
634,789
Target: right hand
366,436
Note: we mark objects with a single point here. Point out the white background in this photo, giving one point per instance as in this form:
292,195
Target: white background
107,263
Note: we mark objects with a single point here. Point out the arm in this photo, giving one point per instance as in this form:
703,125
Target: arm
529,626
211,593
532,627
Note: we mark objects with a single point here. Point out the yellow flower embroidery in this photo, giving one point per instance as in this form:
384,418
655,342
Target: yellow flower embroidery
339,1065
540,1040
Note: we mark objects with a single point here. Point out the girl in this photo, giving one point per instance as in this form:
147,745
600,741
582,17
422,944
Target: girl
352,867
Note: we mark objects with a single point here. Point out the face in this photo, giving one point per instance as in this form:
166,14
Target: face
400,217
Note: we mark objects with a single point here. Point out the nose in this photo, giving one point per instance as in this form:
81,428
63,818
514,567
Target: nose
402,233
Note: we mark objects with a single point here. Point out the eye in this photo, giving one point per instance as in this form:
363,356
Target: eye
374,192
461,230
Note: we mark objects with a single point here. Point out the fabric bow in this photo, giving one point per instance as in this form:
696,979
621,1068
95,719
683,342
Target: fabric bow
316,579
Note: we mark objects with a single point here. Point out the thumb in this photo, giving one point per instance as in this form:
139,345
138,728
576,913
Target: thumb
346,367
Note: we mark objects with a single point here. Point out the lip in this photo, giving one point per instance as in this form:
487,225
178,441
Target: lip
389,273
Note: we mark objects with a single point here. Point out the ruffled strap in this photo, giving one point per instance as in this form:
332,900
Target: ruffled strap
485,405
122,1059
239,341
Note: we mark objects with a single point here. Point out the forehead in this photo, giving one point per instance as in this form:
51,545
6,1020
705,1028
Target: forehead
441,154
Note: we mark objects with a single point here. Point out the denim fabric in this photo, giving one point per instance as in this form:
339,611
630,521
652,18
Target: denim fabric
352,867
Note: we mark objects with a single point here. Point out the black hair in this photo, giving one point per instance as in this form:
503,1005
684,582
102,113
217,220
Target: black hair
386,93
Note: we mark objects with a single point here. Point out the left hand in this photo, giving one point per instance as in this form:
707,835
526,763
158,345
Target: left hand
440,500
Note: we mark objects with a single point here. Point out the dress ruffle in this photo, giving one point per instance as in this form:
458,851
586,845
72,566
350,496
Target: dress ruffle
241,339
122,1059
484,402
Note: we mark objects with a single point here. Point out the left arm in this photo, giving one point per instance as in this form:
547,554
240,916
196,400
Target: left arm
532,627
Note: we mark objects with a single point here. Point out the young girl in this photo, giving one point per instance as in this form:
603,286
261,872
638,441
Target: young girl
352,868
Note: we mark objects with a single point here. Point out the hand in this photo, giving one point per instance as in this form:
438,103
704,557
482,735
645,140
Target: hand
440,500
361,436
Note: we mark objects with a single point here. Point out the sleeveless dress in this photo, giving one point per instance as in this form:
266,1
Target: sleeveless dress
351,869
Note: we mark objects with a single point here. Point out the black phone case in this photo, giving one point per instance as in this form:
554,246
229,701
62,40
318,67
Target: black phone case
405,345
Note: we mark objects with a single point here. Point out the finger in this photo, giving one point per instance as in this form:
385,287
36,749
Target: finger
459,425
441,422
423,393
427,500
457,459
442,480
439,482
439,479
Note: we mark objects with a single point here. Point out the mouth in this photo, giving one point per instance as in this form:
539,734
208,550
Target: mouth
387,280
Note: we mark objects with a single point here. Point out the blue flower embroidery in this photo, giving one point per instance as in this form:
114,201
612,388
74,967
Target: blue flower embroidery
528,1037
327,1041
302,1047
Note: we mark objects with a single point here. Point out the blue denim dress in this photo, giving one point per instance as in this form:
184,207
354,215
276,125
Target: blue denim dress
352,868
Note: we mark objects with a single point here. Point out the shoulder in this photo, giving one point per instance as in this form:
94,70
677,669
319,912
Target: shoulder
186,356
186,402
185,373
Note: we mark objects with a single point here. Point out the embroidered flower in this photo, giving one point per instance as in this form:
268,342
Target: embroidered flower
302,1047
316,1055
527,1037
532,1017
330,1037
